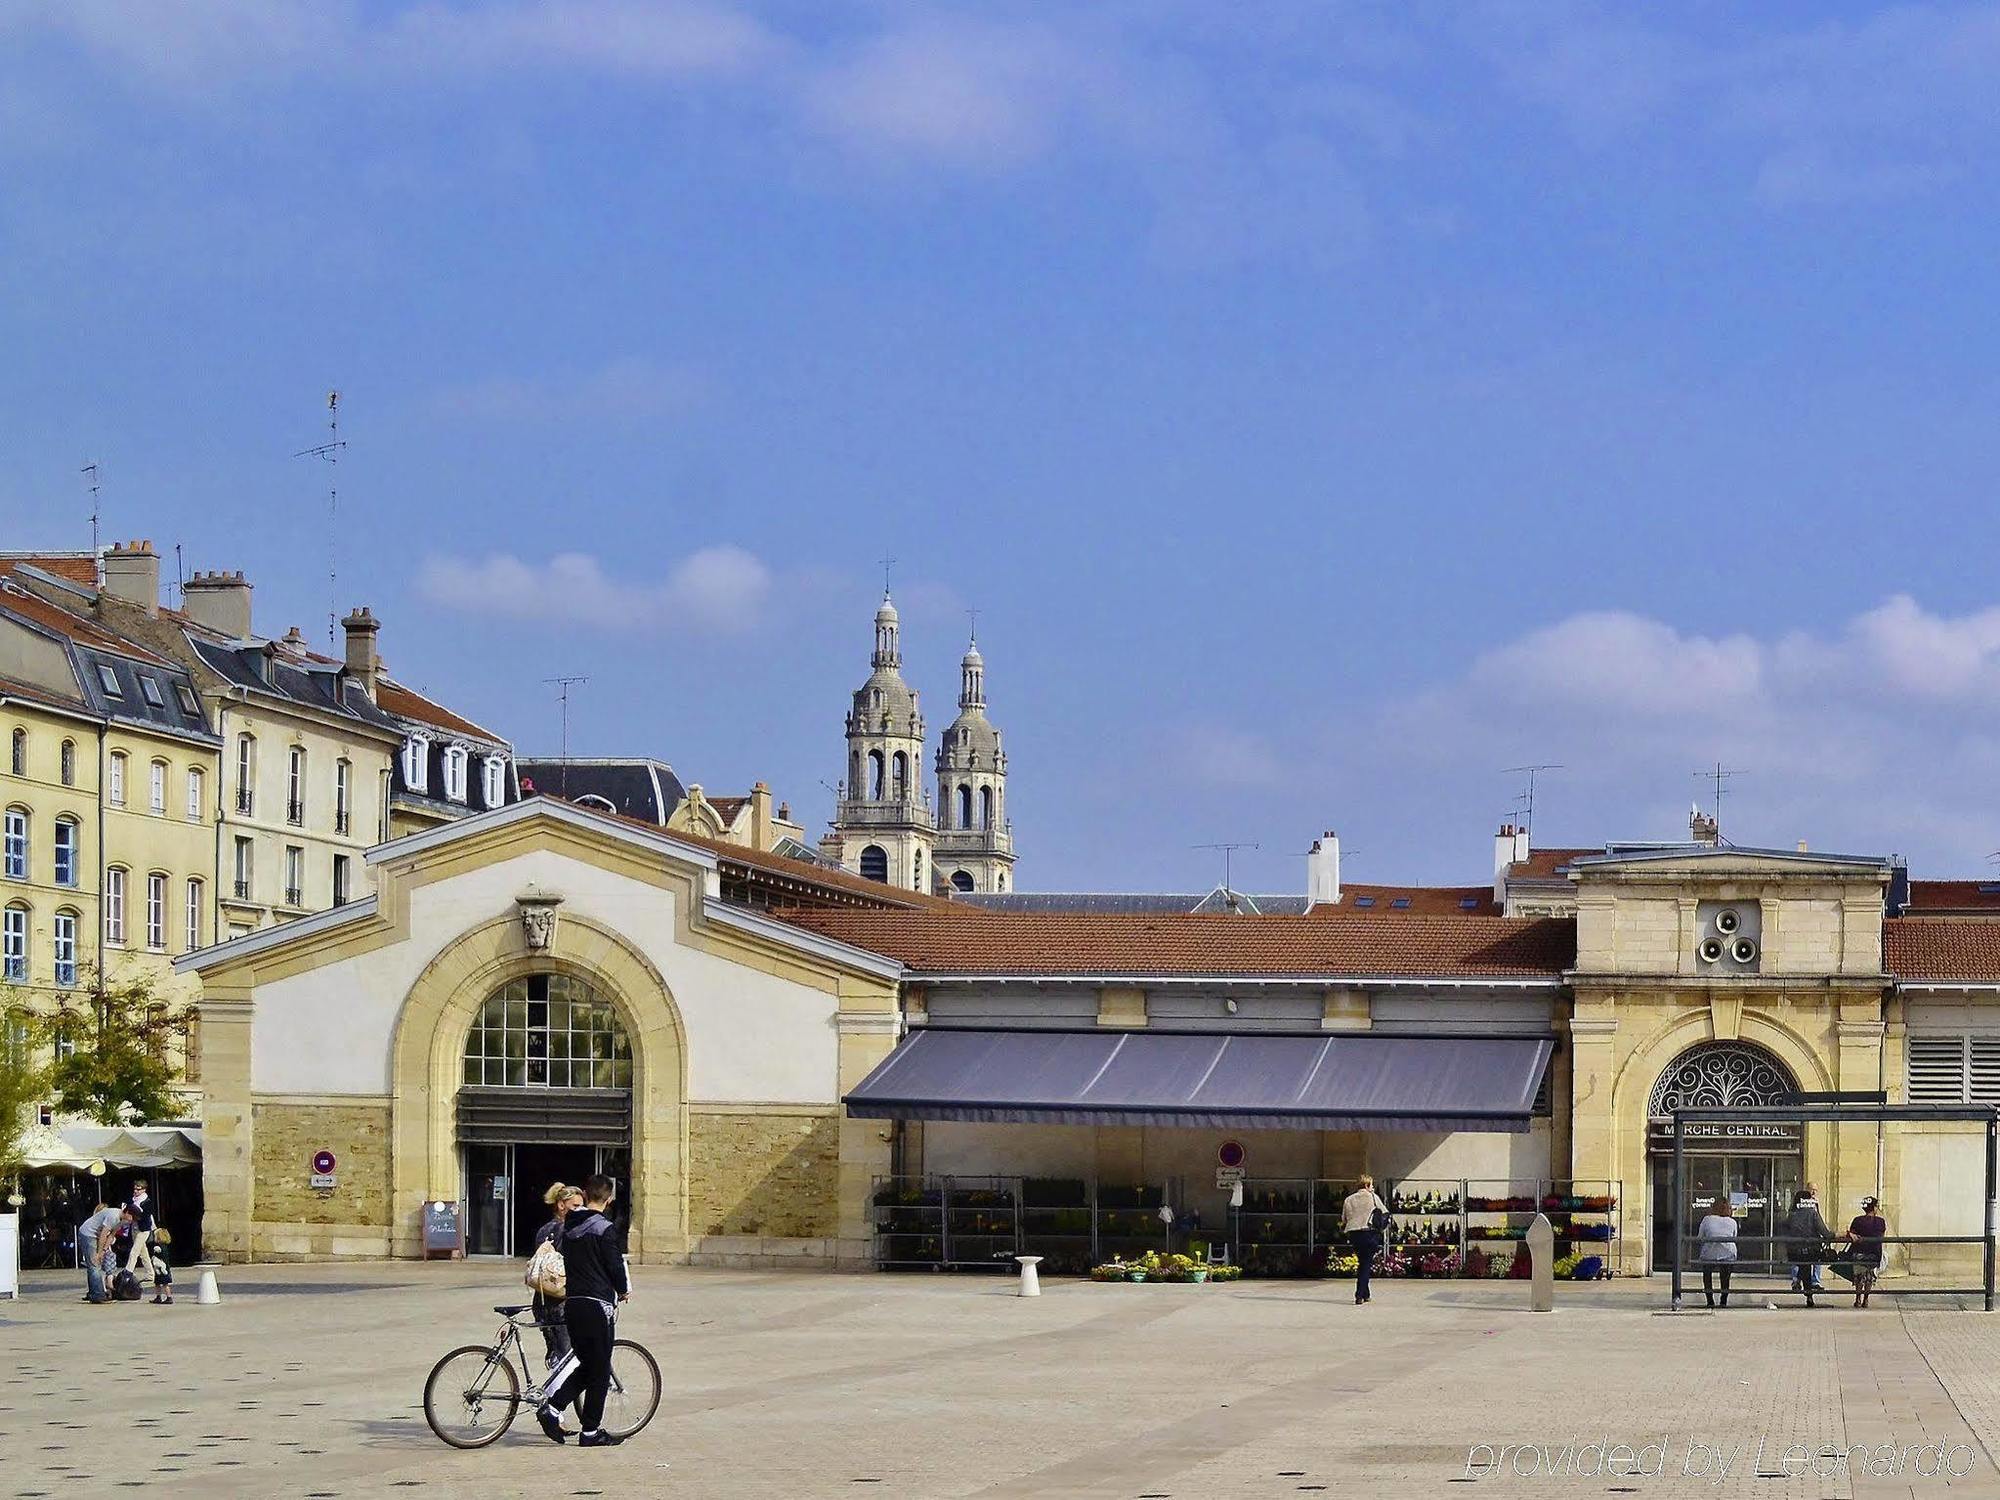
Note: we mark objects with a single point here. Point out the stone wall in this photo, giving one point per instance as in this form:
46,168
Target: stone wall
769,1173
292,1220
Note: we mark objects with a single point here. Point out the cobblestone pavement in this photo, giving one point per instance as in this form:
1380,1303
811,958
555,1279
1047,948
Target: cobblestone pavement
307,1381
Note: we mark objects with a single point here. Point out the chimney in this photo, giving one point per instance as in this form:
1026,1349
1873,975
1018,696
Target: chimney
1323,871
364,660
1505,843
760,816
220,601
132,574
1702,828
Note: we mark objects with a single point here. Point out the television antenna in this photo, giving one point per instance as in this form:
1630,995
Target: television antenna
330,452
1527,797
562,686
1717,777
89,472
1228,853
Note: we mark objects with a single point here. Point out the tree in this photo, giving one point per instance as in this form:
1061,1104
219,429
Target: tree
112,1045
22,1085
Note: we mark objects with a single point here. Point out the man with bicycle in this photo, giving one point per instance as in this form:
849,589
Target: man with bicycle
593,1252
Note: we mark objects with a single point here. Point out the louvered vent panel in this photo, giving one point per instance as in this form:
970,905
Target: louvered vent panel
1937,1070
1986,1070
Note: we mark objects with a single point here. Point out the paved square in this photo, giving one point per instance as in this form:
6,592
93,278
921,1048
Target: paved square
307,1381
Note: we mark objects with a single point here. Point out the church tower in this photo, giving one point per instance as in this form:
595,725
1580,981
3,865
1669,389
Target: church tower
975,846
882,826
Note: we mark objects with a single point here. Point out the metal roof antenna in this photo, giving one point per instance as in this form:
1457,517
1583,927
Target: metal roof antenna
563,685
89,472
1717,776
1526,800
330,451
180,579
1228,891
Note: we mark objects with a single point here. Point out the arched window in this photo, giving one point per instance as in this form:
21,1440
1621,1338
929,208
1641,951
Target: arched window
18,759
192,914
854,773
114,779
548,1031
156,788
899,775
197,794
416,763
453,763
295,786
986,807
343,794
965,804
961,880
68,846
114,905
1000,881
875,863
874,775
14,944
494,771
67,763
917,866
1722,1075
156,911
14,860
246,774
65,934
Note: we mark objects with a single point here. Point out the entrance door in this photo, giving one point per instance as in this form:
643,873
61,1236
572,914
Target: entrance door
536,1169
1759,1188
489,1183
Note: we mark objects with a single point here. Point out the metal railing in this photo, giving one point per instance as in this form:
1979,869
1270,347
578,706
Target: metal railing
294,896
295,812
246,800
242,890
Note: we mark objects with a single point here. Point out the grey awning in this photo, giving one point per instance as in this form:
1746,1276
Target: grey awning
1349,1081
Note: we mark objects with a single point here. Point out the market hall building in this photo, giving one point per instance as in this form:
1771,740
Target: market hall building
788,1063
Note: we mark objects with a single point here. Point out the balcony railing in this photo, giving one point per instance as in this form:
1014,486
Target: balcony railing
294,896
295,812
246,801
242,890
883,814
340,820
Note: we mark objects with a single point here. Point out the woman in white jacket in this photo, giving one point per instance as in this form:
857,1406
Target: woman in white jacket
1718,1248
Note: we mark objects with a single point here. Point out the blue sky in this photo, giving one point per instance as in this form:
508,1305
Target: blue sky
1326,406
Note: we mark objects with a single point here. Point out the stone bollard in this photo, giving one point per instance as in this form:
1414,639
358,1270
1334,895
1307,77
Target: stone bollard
205,1292
1541,1243
1031,1280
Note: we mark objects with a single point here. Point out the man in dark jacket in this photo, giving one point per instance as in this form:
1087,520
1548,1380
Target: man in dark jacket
593,1252
1806,1236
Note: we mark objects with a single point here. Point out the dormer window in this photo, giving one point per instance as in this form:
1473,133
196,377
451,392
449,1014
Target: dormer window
494,769
455,758
417,763
149,689
107,678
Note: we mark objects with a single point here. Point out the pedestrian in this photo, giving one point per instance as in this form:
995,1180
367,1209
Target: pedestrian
163,1271
1865,1236
1806,1238
95,1237
1364,1217
593,1252
562,1198
138,1246
1718,1248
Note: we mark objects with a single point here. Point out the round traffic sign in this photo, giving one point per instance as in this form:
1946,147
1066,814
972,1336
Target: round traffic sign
1230,1154
322,1161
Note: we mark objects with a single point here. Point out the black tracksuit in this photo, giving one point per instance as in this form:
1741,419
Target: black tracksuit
593,1252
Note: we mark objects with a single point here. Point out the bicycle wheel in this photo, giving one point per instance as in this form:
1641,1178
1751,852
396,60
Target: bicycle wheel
472,1396
635,1389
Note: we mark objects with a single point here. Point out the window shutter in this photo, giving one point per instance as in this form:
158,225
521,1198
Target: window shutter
1938,1069
1985,1073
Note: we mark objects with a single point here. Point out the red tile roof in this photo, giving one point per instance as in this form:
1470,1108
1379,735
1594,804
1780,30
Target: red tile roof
964,940
1942,948
1433,900
77,567
393,697
1542,864
84,632
1954,895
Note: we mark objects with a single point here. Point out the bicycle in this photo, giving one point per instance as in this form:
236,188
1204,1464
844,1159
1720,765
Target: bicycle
473,1393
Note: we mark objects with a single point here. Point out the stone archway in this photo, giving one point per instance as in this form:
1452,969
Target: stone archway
428,1050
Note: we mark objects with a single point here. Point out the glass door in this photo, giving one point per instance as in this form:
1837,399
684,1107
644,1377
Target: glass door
1759,1189
489,1182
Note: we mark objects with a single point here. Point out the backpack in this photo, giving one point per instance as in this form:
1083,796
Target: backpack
546,1273
125,1287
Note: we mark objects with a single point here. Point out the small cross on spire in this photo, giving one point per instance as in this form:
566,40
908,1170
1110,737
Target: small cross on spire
887,564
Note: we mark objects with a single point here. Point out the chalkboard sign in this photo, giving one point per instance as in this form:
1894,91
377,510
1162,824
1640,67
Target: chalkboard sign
444,1232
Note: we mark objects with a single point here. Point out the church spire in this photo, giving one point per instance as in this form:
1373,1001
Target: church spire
972,678
888,635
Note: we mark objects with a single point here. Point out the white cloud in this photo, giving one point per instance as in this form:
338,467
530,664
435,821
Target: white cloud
716,591
637,38
1226,758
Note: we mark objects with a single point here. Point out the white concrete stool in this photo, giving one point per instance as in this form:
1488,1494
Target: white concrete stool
205,1292
1031,1279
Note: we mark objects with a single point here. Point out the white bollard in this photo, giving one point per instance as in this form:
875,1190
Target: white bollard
1541,1246
205,1293
1031,1279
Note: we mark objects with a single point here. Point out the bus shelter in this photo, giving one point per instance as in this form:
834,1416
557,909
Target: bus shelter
1842,1110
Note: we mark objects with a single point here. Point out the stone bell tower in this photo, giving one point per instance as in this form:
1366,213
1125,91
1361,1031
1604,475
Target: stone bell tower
882,826
975,845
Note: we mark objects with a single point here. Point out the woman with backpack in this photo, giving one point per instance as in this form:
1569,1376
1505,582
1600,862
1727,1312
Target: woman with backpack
545,1270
